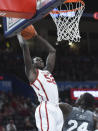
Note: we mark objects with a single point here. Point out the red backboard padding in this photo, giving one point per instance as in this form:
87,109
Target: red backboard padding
18,8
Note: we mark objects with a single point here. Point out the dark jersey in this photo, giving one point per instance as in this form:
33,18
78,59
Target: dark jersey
79,120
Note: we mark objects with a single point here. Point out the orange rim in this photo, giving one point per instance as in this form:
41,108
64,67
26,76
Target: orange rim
69,1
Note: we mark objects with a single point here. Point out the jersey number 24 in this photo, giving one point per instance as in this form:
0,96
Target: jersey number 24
74,126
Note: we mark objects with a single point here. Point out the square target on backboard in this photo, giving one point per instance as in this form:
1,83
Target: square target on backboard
14,25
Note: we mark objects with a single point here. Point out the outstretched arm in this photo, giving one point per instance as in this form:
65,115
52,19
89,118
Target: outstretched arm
96,122
50,62
27,58
66,109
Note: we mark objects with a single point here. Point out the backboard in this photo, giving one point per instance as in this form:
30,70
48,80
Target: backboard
14,25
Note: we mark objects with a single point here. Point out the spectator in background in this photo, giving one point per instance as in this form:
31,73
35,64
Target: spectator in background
1,127
8,110
11,126
28,125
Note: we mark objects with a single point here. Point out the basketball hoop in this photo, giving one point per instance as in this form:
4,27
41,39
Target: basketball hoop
67,18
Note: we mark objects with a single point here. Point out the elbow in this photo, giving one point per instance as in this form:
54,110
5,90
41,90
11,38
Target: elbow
53,51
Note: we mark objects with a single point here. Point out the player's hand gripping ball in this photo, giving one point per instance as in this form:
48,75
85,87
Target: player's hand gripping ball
29,32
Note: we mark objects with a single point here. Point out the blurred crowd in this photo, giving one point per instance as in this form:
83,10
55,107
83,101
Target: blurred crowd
70,65
67,68
84,68
16,113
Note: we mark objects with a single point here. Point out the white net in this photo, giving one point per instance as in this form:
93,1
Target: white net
67,21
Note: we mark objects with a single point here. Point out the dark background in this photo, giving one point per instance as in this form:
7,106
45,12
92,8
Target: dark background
91,6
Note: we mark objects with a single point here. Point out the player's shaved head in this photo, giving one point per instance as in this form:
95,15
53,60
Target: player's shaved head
86,101
38,62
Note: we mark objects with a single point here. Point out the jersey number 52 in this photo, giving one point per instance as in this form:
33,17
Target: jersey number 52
49,78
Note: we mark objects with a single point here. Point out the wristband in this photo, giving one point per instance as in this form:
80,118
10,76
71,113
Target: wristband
20,39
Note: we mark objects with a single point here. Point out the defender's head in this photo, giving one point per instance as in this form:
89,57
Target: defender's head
86,101
38,62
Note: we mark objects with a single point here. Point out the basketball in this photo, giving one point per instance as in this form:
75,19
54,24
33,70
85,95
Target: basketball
28,32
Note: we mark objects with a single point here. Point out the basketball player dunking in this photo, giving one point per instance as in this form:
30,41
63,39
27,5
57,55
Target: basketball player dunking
81,117
48,115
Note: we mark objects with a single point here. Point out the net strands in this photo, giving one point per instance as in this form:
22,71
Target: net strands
67,18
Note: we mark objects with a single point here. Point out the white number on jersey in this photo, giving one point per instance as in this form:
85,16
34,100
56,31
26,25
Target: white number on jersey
74,125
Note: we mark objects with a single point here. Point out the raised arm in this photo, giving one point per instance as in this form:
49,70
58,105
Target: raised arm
50,61
29,68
